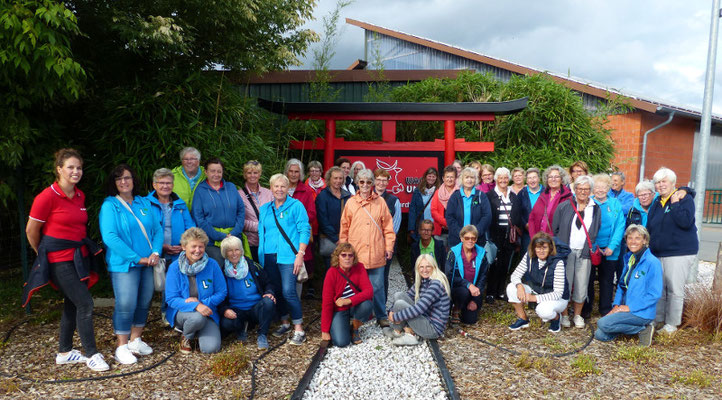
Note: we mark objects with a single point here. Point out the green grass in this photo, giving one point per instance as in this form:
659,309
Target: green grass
526,361
696,377
585,364
553,344
501,316
636,354
230,362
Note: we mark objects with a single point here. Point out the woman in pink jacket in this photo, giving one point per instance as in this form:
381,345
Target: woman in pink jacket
367,224
254,196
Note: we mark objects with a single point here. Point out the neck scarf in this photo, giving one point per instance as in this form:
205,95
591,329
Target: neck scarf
315,185
238,271
445,193
191,269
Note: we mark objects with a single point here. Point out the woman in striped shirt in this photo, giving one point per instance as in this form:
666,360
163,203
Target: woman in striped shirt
422,310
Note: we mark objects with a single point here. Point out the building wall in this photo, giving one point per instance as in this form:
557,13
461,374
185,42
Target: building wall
671,146
628,145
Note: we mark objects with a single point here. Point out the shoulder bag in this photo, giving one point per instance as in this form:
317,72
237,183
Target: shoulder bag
158,269
594,255
302,273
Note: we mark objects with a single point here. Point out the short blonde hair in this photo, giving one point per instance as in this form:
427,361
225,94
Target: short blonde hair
603,178
192,234
277,177
252,165
231,243
469,171
469,229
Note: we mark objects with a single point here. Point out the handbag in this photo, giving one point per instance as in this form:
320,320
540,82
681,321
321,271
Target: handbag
594,255
511,232
326,246
302,275
158,269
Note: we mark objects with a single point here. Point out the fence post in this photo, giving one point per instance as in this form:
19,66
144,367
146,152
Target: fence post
717,282
21,218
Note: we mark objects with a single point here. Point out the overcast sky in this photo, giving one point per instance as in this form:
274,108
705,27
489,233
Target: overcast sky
656,49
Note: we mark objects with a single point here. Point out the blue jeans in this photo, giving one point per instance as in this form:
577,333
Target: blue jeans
340,334
261,313
621,323
133,292
376,276
281,276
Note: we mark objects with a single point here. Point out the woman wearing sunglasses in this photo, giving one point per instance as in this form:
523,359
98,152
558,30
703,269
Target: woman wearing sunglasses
466,269
347,294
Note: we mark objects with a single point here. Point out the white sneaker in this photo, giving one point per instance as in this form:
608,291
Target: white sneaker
71,357
565,321
124,356
97,363
578,321
668,329
137,346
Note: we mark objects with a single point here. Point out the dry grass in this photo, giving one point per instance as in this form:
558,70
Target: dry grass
231,362
703,310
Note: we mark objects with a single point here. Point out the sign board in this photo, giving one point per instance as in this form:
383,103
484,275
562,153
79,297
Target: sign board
405,168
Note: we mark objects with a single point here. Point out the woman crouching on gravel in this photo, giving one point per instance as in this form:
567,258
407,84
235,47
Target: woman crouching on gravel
422,310
347,294
540,278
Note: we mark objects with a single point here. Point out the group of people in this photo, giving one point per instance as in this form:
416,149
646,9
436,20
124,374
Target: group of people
237,258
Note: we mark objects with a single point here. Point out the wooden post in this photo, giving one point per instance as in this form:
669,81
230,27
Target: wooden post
717,282
328,147
449,137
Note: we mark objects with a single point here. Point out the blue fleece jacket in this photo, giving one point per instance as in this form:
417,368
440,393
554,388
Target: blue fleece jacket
211,290
644,286
328,212
123,239
672,231
625,199
417,211
637,215
180,218
293,219
222,208
480,216
526,201
611,229
455,268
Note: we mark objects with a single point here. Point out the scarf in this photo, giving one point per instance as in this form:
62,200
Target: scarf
191,269
315,185
238,271
444,194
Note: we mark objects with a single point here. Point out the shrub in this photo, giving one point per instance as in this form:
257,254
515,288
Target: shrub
230,362
703,310
585,364
635,354
696,377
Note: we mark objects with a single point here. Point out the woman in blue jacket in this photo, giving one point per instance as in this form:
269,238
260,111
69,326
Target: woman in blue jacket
194,288
329,206
133,239
466,206
466,269
281,259
219,208
638,291
420,205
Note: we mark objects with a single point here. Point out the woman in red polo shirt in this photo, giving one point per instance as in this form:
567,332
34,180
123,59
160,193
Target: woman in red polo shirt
56,230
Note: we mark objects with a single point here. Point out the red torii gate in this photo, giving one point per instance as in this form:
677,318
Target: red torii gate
388,114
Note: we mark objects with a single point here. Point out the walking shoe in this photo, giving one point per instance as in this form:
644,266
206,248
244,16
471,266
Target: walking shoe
163,320
668,329
565,321
554,326
383,323
391,333
243,334
97,363
645,335
356,337
123,355
137,346
310,294
71,357
406,339
282,330
185,345
578,321
298,338
262,342
489,299
519,324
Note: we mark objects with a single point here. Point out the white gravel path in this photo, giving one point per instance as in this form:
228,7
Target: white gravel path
705,276
376,369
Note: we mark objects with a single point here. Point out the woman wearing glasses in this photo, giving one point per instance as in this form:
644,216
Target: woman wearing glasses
347,294
367,225
555,192
466,269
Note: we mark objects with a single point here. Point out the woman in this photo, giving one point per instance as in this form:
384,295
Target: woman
133,239
577,169
347,294
577,222
367,225
219,209
617,191
504,206
355,168
194,288
57,231
283,233
419,208
609,241
315,179
254,196
517,177
638,291
440,200
251,297
486,175
640,207
555,193
466,269
527,199
468,206
422,310
345,165
329,205
673,238
299,191
540,278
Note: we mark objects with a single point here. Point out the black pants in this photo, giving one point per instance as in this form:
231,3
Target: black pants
496,282
461,298
77,308
604,272
261,313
